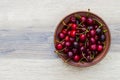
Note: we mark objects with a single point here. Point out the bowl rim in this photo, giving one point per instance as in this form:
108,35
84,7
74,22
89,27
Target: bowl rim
85,64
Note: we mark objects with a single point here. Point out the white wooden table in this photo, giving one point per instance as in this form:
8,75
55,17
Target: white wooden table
26,40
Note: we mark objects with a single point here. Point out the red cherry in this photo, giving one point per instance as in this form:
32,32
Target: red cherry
64,31
73,19
73,33
99,48
59,46
61,36
82,37
69,33
72,39
92,32
92,40
93,47
67,38
67,44
74,26
83,19
89,21
76,58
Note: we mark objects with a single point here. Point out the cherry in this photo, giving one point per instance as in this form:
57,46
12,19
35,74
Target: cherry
63,43
76,44
69,33
96,26
72,39
98,30
102,37
73,33
70,54
67,38
92,32
96,37
92,40
82,48
74,50
61,36
89,21
81,44
83,19
82,37
64,31
93,47
67,44
59,46
99,48
72,19
74,26
66,50
76,58
90,27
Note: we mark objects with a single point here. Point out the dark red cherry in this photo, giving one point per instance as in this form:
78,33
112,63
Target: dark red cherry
61,36
82,37
72,19
75,44
89,21
68,33
74,26
64,31
76,58
67,44
99,48
92,40
72,39
70,54
82,48
92,32
66,50
59,46
67,38
74,50
83,19
73,33
93,47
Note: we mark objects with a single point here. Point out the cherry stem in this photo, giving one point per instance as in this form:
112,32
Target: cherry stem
67,60
81,59
88,13
104,30
60,41
84,56
92,56
99,23
77,16
65,25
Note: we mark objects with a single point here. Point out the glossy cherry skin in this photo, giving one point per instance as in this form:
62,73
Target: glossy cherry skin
74,26
73,33
59,46
90,21
61,36
82,37
76,58
67,38
72,19
70,54
83,19
92,32
93,47
64,31
92,40
99,48
67,44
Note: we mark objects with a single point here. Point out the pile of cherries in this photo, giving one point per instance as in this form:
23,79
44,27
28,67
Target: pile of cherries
81,39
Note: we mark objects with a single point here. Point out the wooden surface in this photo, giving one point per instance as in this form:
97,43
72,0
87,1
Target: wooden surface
26,40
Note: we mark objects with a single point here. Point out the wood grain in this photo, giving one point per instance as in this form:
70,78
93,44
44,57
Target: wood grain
26,40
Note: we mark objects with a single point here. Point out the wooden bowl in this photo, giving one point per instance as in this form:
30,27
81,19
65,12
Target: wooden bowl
107,41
